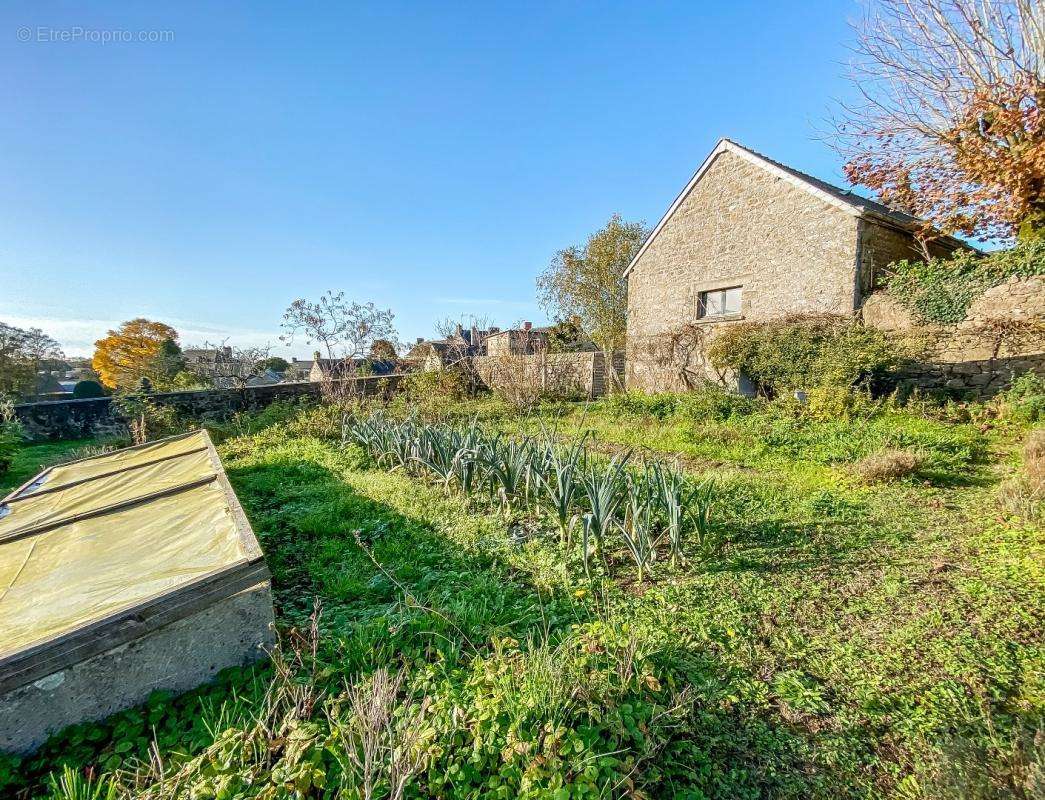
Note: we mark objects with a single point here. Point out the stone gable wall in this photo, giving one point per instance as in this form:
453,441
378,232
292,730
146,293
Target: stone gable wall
792,252
881,245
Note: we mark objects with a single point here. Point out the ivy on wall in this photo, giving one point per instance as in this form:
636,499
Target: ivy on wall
942,289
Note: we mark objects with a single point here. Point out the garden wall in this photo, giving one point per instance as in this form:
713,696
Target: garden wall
77,419
1001,337
583,374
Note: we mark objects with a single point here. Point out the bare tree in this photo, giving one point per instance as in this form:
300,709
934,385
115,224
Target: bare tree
950,125
345,329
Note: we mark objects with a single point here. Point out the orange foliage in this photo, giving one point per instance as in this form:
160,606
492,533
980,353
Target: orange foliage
125,355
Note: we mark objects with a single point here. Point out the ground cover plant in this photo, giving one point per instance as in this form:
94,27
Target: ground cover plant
816,635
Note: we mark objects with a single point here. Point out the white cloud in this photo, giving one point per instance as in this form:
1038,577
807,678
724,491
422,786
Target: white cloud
77,336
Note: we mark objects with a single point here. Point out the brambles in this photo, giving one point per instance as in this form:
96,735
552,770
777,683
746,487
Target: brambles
651,509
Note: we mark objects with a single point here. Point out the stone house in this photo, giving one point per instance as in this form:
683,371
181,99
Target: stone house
463,343
342,368
749,238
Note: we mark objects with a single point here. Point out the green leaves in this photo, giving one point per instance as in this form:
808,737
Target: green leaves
567,483
942,289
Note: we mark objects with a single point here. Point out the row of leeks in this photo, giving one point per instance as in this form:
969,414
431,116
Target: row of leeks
651,507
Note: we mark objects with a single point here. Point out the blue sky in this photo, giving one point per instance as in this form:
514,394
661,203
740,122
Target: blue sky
430,157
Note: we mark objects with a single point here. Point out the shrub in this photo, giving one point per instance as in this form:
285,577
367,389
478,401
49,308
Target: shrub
839,402
431,392
1025,399
800,352
11,434
709,403
146,419
888,465
942,289
87,389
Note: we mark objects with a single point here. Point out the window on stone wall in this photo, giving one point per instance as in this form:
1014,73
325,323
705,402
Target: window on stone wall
719,302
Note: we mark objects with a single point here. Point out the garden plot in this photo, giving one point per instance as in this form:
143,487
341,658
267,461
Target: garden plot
122,574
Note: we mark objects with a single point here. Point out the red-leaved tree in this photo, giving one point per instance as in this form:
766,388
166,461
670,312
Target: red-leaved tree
951,123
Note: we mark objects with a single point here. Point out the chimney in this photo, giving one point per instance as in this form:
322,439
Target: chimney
493,330
527,326
419,339
315,355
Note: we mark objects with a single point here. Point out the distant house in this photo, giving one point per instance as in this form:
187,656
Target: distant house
749,238
432,354
527,340
219,364
298,370
341,368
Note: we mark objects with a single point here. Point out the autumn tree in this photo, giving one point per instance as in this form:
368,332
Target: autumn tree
587,284
950,124
133,351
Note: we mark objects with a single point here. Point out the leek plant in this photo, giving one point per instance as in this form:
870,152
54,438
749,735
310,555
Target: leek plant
638,528
603,488
561,487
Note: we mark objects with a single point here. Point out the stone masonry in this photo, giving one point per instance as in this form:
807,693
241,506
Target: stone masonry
792,246
1001,337
76,419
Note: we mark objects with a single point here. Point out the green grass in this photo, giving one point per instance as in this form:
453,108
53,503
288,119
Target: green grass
31,459
842,641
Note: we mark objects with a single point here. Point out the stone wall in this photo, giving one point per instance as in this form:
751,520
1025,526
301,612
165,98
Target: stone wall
739,226
567,374
1001,337
76,419
881,245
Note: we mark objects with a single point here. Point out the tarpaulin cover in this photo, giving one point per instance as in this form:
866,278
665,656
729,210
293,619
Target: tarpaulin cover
68,557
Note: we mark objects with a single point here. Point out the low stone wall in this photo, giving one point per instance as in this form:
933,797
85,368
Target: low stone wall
583,374
1001,337
78,419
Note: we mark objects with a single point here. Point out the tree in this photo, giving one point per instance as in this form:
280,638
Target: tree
345,329
587,284
383,350
951,122
565,335
275,364
88,389
22,353
132,352
237,365
166,366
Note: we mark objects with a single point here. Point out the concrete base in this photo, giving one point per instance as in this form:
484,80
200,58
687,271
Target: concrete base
177,657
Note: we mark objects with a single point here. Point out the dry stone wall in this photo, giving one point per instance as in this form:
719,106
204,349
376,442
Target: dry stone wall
566,374
79,419
1001,337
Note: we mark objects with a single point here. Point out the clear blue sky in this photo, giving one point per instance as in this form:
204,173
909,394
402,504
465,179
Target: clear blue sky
431,157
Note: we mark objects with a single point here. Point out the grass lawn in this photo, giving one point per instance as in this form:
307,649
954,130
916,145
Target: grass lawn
840,640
